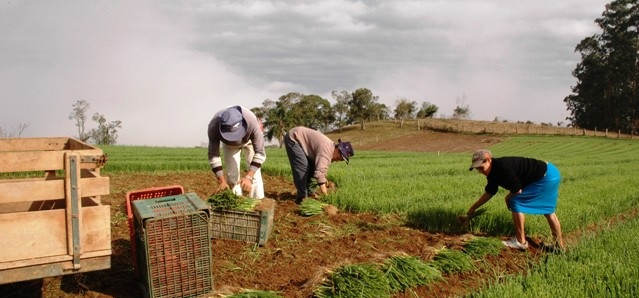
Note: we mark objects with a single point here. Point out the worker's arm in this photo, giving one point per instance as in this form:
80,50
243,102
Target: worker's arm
481,201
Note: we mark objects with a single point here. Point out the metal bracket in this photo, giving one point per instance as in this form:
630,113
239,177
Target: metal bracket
75,212
99,160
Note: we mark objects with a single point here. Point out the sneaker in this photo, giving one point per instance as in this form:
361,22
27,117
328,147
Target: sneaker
513,243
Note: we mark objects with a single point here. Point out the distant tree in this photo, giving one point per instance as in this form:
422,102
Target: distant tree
462,110
79,114
15,132
280,116
381,111
340,108
427,110
404,109
362,106
607,91
106,132
312,111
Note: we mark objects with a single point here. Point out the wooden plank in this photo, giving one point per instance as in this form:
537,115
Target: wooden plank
35,237
19,190
40,160
33,144
27,235
47,269
31,161
95,233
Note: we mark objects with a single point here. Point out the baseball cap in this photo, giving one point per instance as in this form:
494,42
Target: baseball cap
345,149
232,124
478,158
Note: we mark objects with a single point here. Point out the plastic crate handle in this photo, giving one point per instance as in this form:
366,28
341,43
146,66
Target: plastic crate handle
165,200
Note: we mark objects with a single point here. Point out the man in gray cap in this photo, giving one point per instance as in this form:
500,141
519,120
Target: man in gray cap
310,153
238,129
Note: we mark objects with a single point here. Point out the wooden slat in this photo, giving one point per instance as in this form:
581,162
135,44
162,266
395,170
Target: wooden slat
46,268
95,233
33,144
40,160
39,237
27,235
53,189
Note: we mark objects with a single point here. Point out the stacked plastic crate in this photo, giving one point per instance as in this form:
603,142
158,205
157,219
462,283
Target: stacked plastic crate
174,255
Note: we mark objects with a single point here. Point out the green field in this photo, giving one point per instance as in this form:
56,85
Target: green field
429,190
598,180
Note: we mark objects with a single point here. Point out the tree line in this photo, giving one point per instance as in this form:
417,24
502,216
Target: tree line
313,111
606,95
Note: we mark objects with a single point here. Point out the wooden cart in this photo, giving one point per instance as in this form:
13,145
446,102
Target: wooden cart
53,224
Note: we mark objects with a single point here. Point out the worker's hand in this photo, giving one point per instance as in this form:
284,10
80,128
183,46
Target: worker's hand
246,183
222,184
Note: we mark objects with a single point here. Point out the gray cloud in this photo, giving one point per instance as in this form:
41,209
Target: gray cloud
164,68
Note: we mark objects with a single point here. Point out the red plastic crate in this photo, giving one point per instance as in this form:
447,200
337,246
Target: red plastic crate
142,194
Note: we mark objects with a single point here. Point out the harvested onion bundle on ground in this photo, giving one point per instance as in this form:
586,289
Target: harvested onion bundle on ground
452,261
310,207
361,280
404,272
479,247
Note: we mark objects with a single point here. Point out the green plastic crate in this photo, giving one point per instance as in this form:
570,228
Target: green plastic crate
252,226
175,257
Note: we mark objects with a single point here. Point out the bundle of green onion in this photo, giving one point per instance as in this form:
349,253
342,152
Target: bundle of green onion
230,201
404,272
479,247
451,261
310,207
361,280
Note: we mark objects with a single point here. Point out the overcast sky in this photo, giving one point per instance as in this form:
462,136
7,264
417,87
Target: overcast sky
165,67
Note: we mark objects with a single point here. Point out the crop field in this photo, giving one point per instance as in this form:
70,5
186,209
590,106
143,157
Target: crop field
430,189
404,202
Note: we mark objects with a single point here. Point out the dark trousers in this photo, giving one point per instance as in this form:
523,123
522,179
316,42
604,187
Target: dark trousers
301,167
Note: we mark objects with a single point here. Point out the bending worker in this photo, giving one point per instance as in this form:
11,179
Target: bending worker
533,186
239,131
310,153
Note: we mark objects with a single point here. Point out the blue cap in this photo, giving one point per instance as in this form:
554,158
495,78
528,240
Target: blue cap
345,149
232,124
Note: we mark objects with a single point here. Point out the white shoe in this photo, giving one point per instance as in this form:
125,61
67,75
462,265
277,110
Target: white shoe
513,243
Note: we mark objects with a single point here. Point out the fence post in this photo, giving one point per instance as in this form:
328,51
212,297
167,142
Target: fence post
595,131
584,131
619,134
606,132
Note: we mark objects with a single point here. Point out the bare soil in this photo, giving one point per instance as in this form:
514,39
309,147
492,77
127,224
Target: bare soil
300,250
432,141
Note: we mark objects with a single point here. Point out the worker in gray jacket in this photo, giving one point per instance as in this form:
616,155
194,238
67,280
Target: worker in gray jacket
239,130
310,153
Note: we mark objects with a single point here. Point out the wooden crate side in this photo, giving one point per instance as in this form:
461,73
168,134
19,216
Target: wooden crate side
41,160
40,190
33,144
27,235
95,234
